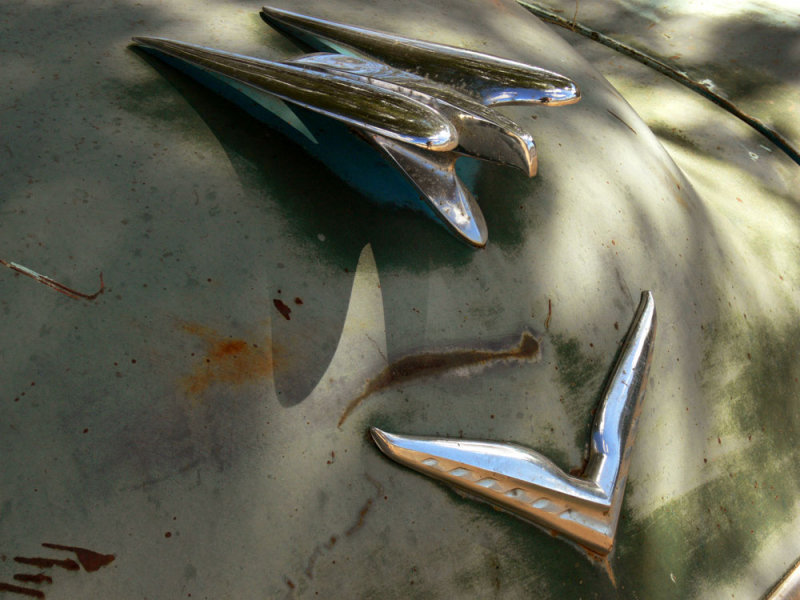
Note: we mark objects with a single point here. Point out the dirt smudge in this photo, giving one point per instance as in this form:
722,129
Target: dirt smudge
415,366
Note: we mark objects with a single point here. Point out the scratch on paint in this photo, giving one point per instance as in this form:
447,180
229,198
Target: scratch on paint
59,287
362,514
327,546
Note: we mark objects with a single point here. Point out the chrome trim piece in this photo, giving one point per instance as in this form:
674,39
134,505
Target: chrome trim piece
348,99
482,132
420,104
434,175
788,588
530,486
492,79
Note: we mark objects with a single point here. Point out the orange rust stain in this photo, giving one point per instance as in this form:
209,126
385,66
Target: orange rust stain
226,360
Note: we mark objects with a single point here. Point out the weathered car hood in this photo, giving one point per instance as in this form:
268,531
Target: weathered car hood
205,419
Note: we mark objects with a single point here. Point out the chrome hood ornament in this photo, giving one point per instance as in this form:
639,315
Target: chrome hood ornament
419,104
523,482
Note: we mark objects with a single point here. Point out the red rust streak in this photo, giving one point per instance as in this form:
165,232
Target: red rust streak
549,314
15,589
38,578
59,287
90,560
46,563
362,514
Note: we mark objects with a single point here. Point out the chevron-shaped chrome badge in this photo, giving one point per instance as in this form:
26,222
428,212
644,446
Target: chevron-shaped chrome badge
523,482
419,104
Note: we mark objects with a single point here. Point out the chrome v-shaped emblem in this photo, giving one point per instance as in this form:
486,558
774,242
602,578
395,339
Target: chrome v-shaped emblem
419,105
523,482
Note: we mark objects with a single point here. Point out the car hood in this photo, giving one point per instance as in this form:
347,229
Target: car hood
205,419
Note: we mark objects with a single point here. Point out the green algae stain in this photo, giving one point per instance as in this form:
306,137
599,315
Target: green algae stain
711,535
763,397
581,376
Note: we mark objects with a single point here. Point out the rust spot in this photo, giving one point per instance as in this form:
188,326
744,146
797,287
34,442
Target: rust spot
549,314
282,308
434,363
579,471
15,589
227,360
298,300
290,583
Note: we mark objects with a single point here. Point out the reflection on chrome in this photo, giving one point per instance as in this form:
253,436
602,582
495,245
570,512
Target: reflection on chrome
421,105
523,482
493,80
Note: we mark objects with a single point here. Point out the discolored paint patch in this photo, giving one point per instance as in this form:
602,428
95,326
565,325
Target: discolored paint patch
434,363
226,360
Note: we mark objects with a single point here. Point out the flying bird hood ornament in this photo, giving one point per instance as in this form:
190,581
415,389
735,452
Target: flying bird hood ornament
420,105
